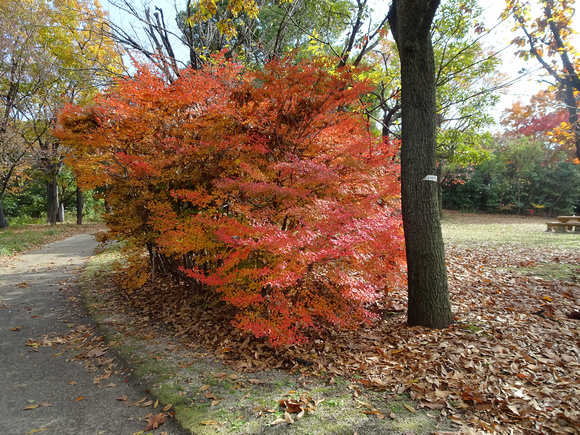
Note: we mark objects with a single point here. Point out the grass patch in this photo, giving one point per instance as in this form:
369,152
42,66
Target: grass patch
555,271
146,368
503,231
20,238
169,394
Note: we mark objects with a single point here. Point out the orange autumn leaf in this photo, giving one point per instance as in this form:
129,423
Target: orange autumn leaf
297,224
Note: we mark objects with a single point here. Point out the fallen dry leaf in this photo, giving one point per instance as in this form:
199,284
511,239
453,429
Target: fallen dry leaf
155,421
209,395
95,353
433,405
278,421
78,399
363,404
376,413
140,401
209,422
288,418
291,406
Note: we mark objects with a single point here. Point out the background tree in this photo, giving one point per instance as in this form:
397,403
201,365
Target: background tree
278,28
544,119
467,73
529,169
520,177
548,38
23,69
83,59
52,53
467,77
428,291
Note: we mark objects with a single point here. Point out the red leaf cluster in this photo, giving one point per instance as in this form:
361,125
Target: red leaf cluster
265,187
543,119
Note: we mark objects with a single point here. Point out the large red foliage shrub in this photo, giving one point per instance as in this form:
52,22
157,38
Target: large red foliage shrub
267,187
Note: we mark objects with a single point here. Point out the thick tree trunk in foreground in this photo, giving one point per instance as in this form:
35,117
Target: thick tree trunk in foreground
429,304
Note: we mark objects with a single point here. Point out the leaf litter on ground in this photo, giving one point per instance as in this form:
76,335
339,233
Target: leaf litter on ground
509,364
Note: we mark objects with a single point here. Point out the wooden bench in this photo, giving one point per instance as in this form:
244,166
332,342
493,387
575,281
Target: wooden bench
565,224
574,219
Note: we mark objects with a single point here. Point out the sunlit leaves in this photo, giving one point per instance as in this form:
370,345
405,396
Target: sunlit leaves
209,9
544,119
50,53
549,38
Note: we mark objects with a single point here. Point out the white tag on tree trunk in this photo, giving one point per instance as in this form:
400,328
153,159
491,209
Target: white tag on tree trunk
430,178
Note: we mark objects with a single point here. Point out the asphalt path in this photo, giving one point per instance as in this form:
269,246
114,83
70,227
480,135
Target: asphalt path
37,301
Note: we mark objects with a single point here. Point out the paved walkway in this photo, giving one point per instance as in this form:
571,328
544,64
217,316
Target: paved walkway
62,397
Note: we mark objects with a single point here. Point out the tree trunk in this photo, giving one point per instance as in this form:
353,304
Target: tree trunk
440,188
3,221
49,201
79,207
429,304
52,204
60,215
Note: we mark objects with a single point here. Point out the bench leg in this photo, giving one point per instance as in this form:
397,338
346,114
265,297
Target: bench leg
560,228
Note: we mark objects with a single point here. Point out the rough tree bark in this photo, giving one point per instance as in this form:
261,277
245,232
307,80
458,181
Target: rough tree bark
429,304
